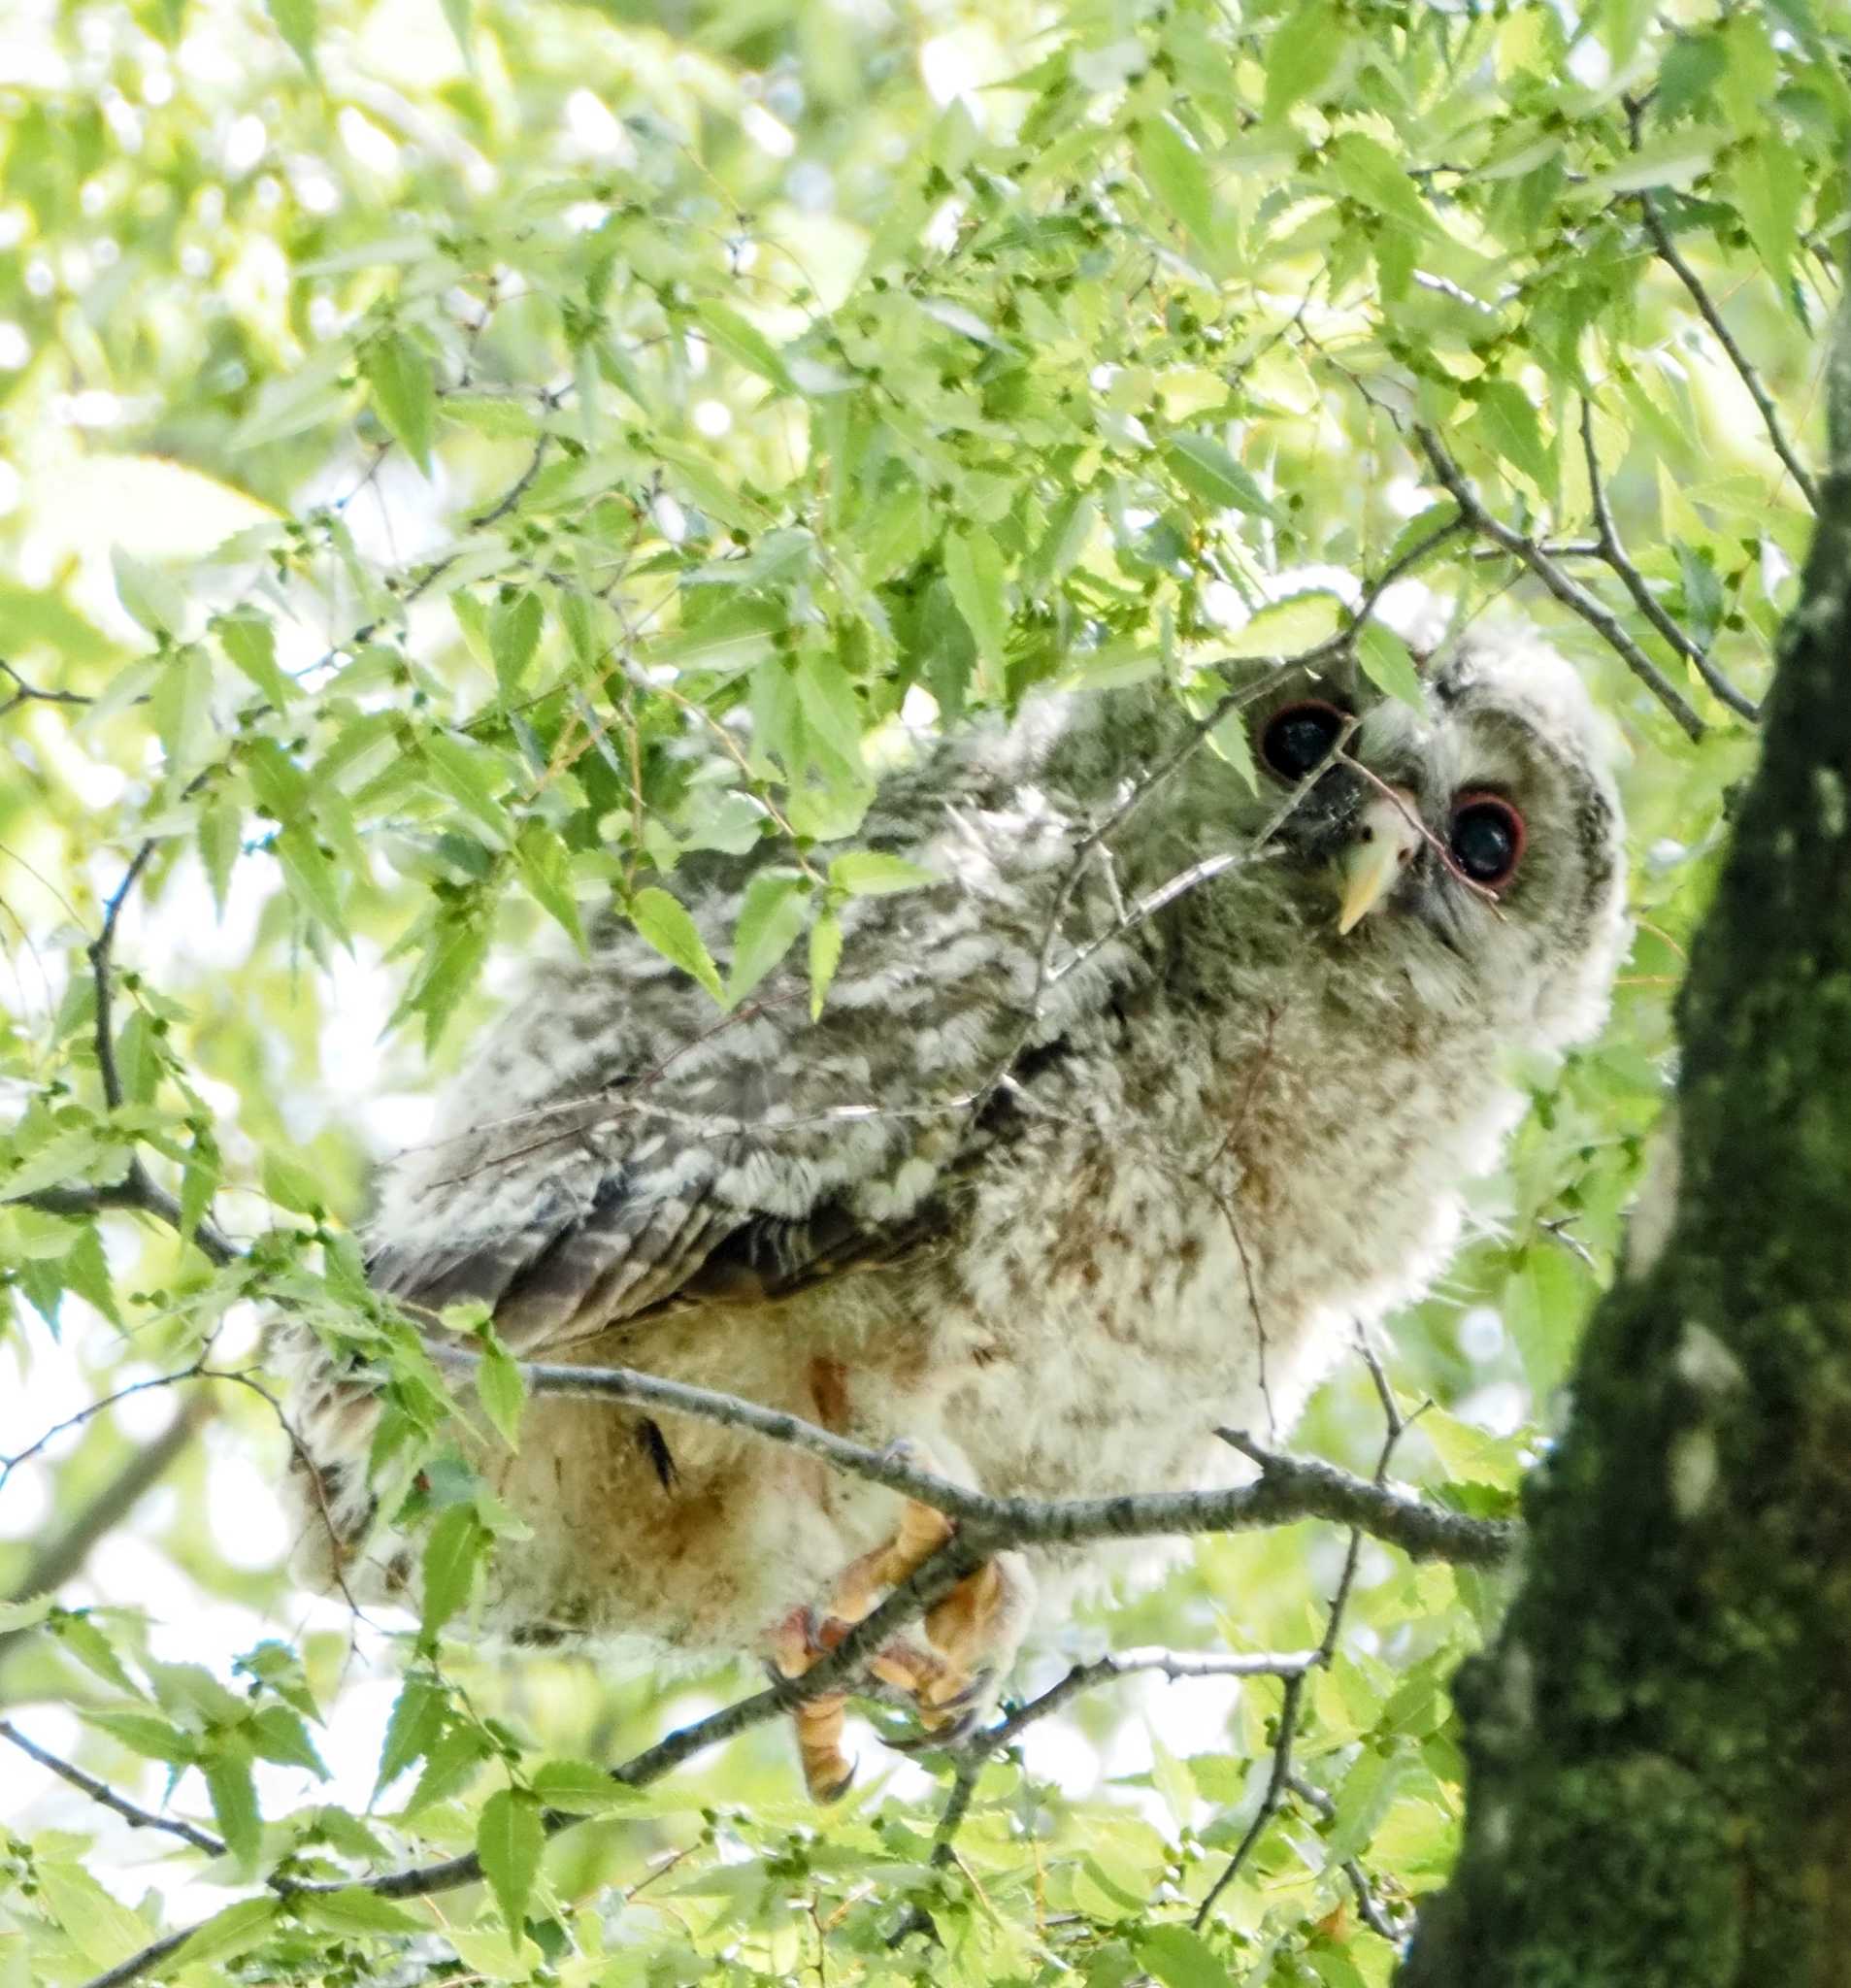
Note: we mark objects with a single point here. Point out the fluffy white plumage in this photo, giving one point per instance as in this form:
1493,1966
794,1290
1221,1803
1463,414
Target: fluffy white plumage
1051,1207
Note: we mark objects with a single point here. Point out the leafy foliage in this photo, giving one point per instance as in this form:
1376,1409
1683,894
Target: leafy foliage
431,431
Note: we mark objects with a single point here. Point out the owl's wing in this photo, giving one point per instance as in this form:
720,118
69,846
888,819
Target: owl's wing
622,1145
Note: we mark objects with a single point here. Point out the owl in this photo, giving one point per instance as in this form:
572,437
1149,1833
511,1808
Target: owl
1175,1065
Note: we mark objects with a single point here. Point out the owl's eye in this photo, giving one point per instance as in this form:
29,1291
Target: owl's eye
1296,738
1486,839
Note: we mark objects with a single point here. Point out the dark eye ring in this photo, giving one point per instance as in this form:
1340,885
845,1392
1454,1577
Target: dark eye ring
1298,737
1486,839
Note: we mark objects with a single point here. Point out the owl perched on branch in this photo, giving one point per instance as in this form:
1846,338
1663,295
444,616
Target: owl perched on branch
1103,1137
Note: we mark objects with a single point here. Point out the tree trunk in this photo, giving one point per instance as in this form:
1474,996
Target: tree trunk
1658,1744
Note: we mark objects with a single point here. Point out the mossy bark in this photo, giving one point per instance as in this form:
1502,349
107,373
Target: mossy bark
1658,1744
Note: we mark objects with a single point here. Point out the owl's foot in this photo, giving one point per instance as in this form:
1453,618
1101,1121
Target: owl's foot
949,1679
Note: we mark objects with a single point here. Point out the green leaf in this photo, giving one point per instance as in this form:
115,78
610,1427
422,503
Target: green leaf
1388,664
1301,53
870,873
451,1555
509,1839
1201,464
226,1933
276,1733
292,1186
579,1787
1506,423
501,1387
249,644
973,572
1180,1958
1365,169
102,1929
312,879
153,597
774,912
418,1718
234,1800
295,22
1178,175
16,1616
469,773
664,921
742,342
825,955
545,868
513,635
404,394
356,1909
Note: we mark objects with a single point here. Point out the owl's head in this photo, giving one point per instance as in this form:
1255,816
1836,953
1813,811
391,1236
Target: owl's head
1476,845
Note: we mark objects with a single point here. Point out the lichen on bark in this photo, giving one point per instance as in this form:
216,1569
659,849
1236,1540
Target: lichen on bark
1659,1743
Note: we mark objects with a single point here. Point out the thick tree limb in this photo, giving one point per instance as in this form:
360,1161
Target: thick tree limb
1658,1794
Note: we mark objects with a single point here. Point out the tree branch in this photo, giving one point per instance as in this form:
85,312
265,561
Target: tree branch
1569,591
101,1792
1609,547
1668,254
1288,1487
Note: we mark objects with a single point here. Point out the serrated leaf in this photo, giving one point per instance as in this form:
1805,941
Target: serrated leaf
664,921
249,644
770,919
312,879
509,1839
501,1388
356,1909
825,955
16,1616
451,1555
742,341
88,1644
545,868
1178,175
513,635
153,597
1301,55
1201,464
579,1787
154,1739
292,1186
468,774
871,873
234,1800
225,1935
404,392
1365,169
276,1733
1387,662
100,1926
973,572
1181,1958
418,1718
452,1763
1506,423
295,22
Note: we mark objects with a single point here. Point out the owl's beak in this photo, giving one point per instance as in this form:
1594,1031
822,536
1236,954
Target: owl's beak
1386,838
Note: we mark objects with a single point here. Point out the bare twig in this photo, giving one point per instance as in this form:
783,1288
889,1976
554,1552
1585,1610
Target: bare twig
63,1555
1373,1912
1610,549
1569,592
1291,1702
1669,254
30,693
99,1791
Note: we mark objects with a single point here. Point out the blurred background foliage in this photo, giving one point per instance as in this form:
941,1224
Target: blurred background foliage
424,427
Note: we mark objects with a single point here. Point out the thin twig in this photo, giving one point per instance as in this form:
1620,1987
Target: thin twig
1569,592
1669,253
1610,549
1369,1908
1292,1699
101,1792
